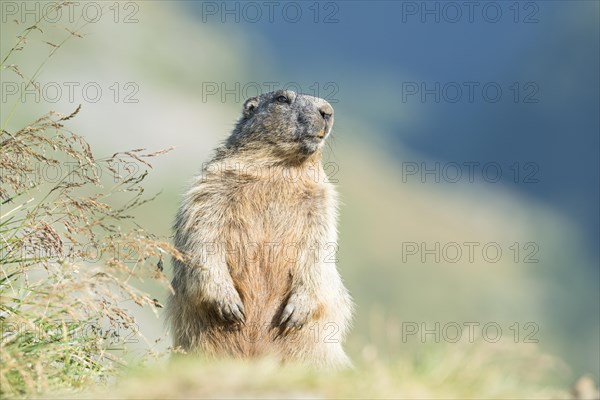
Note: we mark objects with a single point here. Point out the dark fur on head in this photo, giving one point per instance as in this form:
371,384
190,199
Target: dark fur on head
288,126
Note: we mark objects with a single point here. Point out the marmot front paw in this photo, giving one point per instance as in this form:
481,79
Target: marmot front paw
296,312
230,308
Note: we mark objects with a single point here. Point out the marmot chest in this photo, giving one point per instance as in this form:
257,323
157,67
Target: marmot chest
274,222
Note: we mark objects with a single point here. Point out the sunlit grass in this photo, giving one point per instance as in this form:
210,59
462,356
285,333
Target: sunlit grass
69,248
465,370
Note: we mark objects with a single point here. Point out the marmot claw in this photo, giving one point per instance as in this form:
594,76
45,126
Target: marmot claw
295,314
231,309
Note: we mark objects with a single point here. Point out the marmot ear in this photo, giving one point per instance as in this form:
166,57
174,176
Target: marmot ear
250,105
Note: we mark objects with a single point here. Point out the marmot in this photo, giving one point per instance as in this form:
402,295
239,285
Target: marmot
258,228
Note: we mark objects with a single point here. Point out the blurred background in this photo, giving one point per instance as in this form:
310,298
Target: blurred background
465,148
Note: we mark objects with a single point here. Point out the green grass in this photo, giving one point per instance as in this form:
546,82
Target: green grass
455,371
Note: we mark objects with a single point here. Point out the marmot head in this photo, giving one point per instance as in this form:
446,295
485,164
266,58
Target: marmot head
283,124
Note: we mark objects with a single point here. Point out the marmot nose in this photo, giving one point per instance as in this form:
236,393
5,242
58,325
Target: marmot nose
326,111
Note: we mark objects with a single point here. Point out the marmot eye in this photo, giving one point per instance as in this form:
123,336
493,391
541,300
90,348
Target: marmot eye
282,99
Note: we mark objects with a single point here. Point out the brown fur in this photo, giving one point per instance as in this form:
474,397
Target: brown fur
257,227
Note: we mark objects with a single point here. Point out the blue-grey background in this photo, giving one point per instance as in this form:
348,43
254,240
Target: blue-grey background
554,45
